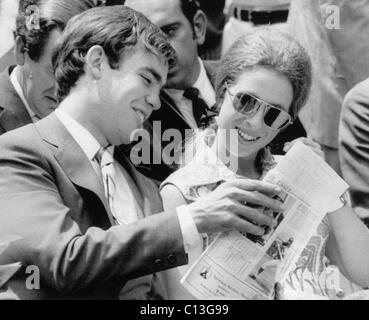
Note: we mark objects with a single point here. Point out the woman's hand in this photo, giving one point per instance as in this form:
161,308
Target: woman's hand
308,142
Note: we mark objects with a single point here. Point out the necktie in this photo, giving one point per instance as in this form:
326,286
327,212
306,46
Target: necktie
202,113
121,201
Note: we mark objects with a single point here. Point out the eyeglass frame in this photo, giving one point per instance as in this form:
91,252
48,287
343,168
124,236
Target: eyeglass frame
264,103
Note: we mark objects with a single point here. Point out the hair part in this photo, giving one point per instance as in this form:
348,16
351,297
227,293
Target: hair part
117,29
271,49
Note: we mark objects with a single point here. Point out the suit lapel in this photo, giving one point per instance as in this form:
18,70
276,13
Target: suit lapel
14,112
72,158
169,114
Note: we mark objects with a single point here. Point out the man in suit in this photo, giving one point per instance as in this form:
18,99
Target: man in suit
189,92
27,89
89,222
354,146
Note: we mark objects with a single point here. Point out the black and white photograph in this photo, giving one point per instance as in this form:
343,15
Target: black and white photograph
101,99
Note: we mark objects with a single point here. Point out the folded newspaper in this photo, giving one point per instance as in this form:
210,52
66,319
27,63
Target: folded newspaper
7,271
240,266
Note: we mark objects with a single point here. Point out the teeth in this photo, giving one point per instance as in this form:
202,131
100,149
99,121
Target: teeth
141,115
245,136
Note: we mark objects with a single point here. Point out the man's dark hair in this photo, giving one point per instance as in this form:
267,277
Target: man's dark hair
117,29
189,9
36,19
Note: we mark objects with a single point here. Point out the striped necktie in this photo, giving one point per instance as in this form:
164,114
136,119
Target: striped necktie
121,201
203,114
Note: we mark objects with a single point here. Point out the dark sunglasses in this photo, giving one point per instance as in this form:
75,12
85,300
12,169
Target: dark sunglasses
249,105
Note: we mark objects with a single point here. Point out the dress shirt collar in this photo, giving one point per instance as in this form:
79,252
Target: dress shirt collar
204,86
19,91
83,137
202,83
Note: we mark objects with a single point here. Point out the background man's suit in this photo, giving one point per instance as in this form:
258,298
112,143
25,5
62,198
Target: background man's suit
13,112
52,198
169,118
354,146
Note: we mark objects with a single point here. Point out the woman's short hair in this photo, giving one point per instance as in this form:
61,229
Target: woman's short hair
271,49
117,29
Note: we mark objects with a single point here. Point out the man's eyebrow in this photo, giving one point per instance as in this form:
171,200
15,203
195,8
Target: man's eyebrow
155,74
168,26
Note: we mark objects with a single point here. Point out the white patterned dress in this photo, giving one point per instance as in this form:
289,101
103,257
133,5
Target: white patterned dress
309,277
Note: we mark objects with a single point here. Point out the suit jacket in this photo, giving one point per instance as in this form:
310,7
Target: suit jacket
13,113
51,197
169,119
354,146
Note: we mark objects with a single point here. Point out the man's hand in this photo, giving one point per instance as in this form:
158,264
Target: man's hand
237,204
308,142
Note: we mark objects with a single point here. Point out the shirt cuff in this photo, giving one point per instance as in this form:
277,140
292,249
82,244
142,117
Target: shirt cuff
192,239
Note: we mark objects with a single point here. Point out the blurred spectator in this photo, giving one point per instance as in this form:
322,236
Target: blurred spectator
8,12
335,33
27,89
354,147
246,14
212,47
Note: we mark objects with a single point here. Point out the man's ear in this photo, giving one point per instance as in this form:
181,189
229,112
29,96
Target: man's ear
20,51
199,24
95,60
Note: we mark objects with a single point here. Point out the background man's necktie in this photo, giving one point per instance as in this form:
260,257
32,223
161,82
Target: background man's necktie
121,201
202,113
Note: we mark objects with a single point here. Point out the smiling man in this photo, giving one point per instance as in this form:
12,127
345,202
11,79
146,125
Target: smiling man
89,222
189,94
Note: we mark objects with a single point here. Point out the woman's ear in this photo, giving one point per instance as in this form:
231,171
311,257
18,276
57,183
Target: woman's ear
199,25
20,51
95,60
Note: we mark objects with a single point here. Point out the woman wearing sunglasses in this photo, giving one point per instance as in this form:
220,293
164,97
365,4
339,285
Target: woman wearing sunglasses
262,83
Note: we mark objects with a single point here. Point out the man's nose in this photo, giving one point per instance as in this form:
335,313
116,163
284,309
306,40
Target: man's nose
154,100
52,87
